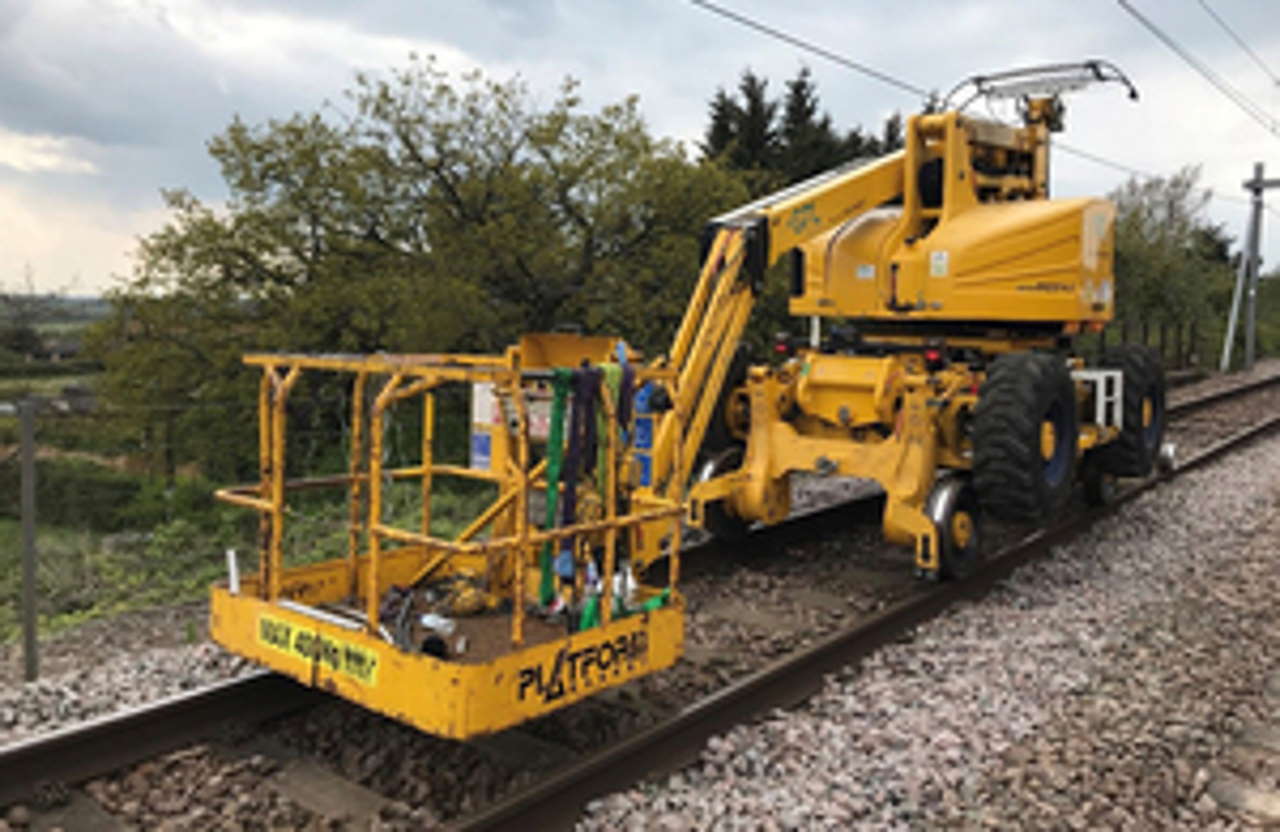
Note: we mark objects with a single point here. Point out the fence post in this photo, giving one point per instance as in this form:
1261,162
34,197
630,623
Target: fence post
31,661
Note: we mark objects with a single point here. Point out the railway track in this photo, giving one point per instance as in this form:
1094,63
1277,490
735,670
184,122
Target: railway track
85,751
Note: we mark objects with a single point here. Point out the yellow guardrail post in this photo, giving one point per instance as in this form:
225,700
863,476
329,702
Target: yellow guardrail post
264,478
428,434
279,398
372,596
522,512
357,484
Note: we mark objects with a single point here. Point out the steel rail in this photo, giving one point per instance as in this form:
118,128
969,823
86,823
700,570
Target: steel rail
85,750
88,749
557,800
1209,399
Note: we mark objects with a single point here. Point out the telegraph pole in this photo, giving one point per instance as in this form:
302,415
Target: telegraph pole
1247,276
27,418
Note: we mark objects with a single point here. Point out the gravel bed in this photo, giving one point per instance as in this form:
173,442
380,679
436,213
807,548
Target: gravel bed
1200,429
114,681
108,639
197,788
1094,689
1264,368
741,616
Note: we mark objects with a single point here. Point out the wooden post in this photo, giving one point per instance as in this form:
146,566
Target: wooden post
31,660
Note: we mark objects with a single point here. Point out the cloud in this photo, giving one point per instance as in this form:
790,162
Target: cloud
130,90
71,243
34,154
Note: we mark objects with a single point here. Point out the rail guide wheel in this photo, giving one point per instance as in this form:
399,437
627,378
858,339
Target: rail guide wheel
1101,486
719,519
953,507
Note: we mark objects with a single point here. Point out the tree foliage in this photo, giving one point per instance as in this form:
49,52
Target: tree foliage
21,308
445,213
1171,263
776,142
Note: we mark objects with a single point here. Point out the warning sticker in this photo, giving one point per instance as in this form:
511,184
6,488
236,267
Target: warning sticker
939,263
342,657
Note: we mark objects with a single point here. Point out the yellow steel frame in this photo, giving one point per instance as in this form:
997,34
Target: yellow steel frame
380,555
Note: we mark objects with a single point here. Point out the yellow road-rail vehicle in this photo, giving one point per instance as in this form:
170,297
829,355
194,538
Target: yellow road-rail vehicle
959,285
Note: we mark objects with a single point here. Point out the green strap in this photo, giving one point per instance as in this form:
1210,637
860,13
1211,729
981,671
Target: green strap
621,610
613,382
555,457
590,614
657,602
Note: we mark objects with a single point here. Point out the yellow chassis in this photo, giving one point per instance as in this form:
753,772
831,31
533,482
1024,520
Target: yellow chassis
448,699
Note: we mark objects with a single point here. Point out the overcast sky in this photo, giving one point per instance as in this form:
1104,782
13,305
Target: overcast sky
105,102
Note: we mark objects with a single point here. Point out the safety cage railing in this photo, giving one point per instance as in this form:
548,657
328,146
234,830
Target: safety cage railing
517,545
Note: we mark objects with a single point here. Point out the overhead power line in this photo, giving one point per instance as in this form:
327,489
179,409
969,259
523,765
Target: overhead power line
1142,174
1093,157
1238,98
1232,32
912,88
814,48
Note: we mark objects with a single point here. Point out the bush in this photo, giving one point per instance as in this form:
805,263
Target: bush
80,494
46,369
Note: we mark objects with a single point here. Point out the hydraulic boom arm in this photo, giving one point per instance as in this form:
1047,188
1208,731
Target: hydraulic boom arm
740,245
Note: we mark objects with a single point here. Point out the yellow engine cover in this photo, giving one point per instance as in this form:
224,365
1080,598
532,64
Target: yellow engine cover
849,391
1042,261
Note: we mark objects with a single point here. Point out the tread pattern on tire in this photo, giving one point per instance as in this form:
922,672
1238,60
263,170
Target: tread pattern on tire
1008,467
1130,454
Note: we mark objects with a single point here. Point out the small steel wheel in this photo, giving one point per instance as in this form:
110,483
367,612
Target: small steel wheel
719,519
1100,485
953,508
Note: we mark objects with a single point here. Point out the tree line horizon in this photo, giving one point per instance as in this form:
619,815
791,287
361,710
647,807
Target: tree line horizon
451,213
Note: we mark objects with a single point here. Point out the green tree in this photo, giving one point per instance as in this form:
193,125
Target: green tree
891,137
810,144
743,133
772,143
446,213
724,114
21,309
1172,269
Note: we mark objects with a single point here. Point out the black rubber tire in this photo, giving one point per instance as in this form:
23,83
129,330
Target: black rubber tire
718,436
717,519
1013,479
1134,451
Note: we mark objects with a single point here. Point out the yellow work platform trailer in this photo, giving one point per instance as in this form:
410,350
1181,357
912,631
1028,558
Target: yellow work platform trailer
494,665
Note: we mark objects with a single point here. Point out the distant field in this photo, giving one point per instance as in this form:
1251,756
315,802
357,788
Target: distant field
16,388
59,329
